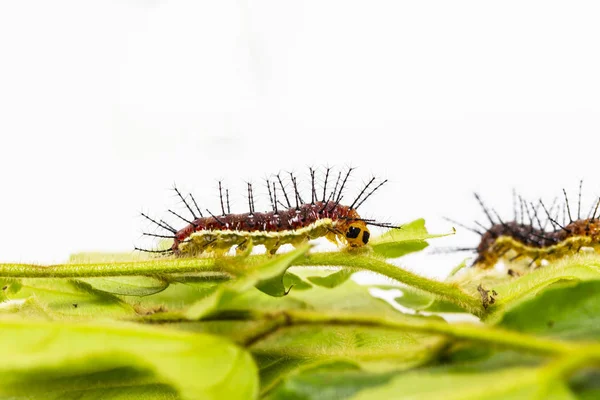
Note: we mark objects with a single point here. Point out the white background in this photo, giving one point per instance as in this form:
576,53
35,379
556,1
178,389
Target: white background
105,104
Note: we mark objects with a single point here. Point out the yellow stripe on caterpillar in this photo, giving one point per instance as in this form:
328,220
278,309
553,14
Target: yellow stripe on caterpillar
508,248
221,241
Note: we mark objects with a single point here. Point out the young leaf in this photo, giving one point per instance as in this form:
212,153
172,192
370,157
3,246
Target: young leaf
268,278
409,238
332,280
419,300
294,281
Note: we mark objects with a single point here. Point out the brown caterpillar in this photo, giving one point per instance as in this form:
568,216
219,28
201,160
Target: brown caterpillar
325,217
520,240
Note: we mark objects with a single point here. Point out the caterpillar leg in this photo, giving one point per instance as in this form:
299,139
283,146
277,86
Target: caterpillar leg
332,236
219,252
197,245
299,241
272,246
487,260
535,262
244,248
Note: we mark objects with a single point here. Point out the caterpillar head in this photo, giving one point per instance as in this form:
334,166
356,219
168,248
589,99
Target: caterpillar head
357,234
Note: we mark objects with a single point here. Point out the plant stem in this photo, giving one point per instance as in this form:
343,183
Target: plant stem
444,291
152,267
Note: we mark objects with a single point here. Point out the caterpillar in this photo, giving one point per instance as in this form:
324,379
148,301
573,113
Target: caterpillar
293,222
519,239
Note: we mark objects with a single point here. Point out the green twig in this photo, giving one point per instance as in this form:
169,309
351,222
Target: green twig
445,291
152,267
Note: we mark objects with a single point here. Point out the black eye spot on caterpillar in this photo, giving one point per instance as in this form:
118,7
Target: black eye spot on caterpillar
291,220
366,236
532,239
353,232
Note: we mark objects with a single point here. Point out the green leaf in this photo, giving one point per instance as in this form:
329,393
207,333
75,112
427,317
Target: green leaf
343,379
280,350
294,281
373,347
28,308
9,287
570,310
586,384
469,384
459,267
182,292
128,285
287,350
348,296
332,280
416,300
267,277
66,360
422,301
398,242
506,374
238,331
509,376
62,298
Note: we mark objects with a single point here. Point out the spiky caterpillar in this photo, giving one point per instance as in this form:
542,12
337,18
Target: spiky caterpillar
294,225
336,222
513,240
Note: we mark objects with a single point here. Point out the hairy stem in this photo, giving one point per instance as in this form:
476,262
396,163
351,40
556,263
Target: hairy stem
151,267
442,290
